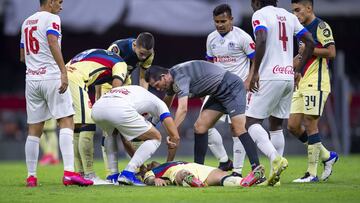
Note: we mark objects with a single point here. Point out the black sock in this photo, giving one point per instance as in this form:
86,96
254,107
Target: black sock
200,147
250,149
304,137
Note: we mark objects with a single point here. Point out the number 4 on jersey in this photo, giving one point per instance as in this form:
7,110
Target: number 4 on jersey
282,35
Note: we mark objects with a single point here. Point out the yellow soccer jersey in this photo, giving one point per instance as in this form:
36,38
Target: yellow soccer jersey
316,71
96,66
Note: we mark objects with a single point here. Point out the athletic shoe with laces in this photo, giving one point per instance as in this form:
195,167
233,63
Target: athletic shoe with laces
72,178
279,164
328,164
31,181
192,181
226,166
113,178
307,178
96,180
253,176
129,178
48,159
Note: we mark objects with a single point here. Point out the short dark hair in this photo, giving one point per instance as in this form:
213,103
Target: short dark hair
43,2
222,8
155,72
302,1
145,40
264,3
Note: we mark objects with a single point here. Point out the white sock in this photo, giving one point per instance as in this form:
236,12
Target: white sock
32,154
112,153
239,155
277,139
67,148
216,146
261,138
143,153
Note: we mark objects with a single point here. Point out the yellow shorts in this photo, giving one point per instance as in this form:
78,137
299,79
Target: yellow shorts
309,102
81,103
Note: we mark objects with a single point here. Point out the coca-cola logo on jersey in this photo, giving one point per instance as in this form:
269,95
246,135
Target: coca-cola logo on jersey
40,71
120,91
287,70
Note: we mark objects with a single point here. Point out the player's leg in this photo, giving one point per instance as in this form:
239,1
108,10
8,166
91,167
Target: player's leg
49,143
205,121
152,140
111,152
37,112
216,146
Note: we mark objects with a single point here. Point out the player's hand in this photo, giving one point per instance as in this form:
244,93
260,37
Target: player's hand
160,182
301,48
64,83
247,84
170,144
297,77
254,83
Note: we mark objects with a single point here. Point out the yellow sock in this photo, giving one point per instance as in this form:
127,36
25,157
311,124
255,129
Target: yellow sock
324,153
77,158
86,149
313,158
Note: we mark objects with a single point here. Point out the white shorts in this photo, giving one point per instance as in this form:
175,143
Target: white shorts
43,101
116,113
272,99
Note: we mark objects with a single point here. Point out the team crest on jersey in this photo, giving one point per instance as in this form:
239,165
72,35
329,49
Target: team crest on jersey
322,25
326,32
231,46
175,88
115,49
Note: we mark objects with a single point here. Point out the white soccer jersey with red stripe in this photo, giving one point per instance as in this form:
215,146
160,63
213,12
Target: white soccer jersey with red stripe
281,26
40,63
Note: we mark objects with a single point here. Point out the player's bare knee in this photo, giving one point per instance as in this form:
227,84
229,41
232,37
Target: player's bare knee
66,122
200,128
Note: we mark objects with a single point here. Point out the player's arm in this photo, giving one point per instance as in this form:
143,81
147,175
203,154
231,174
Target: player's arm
168,99
325,37
97,92
119,72
58,57
307,39
142,81
22,55
129,148
181,110
174,137
328,52
261,37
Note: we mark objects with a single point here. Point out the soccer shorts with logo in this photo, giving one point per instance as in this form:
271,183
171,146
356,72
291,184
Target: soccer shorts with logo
43,101
309,102
272,99
82,104
111,113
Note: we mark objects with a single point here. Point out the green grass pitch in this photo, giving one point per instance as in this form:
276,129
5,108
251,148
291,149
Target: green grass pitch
343,186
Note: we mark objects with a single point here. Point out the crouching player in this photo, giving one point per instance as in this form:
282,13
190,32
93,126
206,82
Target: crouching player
121,109
196,175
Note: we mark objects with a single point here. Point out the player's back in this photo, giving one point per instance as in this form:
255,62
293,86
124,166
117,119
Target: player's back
281,26
38,57
140,99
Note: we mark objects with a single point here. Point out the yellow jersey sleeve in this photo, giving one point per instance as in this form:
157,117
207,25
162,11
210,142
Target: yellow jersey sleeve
147,63
119,71
324,34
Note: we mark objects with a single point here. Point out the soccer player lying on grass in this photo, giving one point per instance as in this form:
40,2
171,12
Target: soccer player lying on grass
195,175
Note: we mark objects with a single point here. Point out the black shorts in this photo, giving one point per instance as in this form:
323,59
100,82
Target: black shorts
230,96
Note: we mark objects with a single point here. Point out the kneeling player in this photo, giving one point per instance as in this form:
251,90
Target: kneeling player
121,109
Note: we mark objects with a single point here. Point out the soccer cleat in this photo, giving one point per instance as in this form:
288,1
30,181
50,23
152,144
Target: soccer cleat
279,164
31,181
253,176
192,181
96,180
226,166
307,178
129,178
328,164
72,178
113,178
